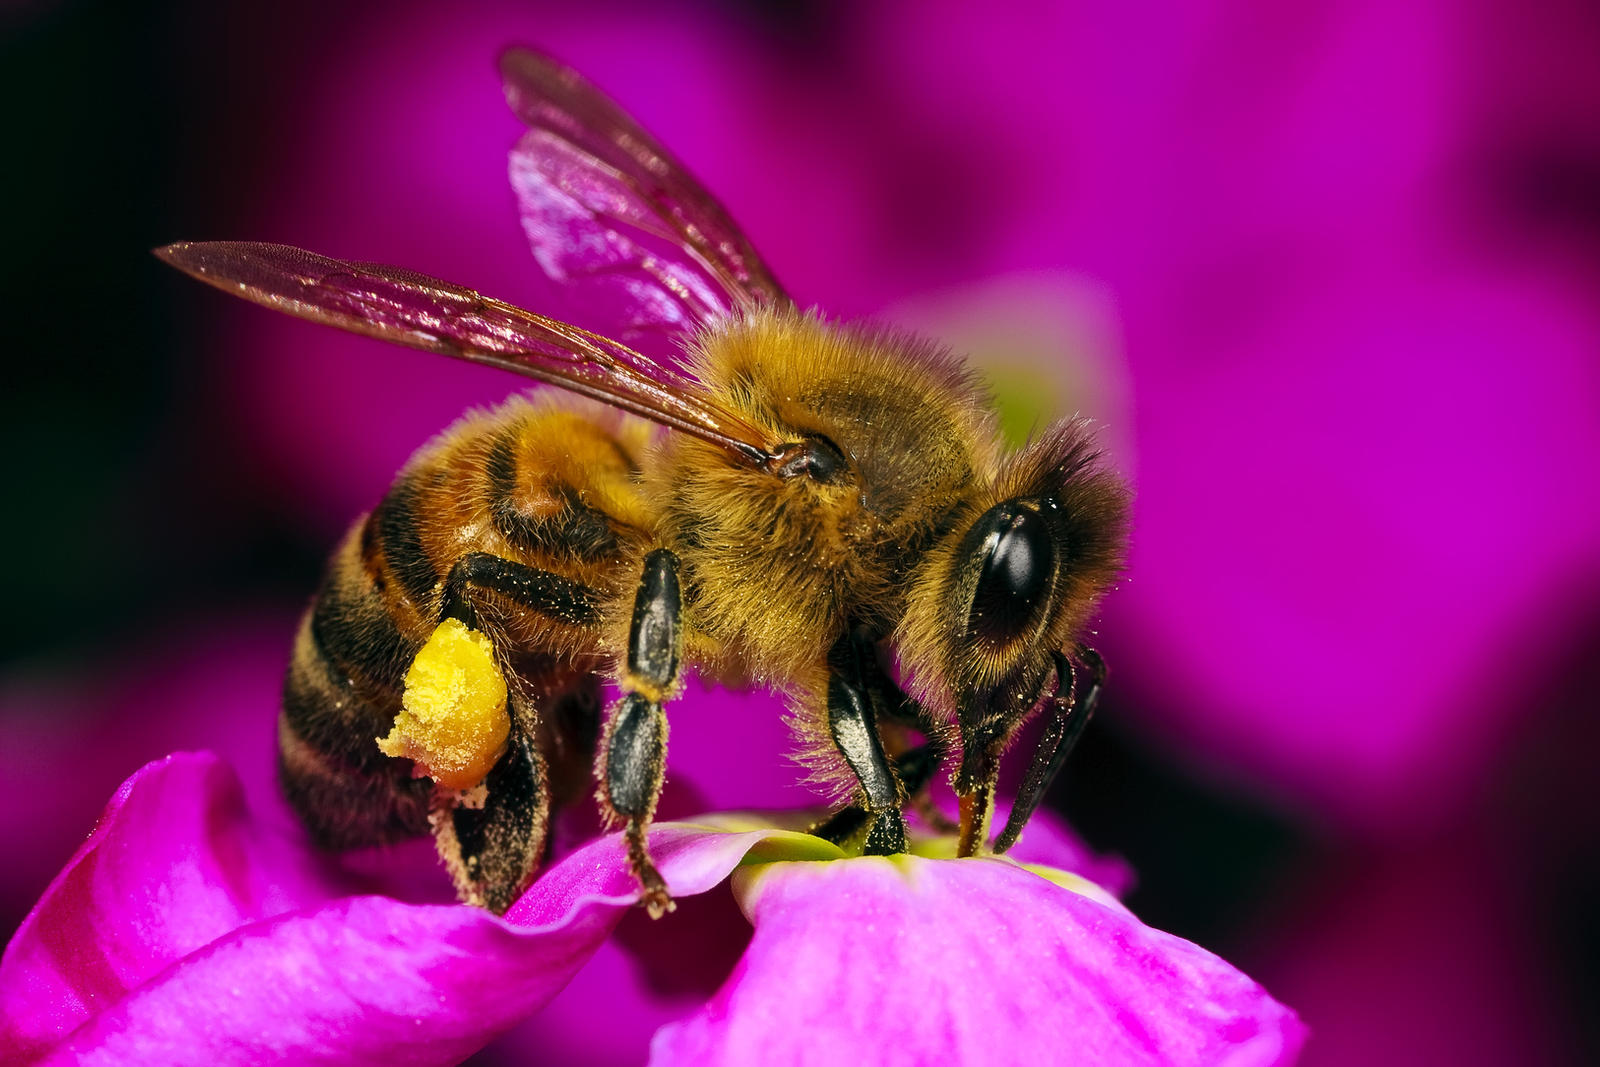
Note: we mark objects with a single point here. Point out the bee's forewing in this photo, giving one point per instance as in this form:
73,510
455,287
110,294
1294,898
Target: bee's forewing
603,203
413,309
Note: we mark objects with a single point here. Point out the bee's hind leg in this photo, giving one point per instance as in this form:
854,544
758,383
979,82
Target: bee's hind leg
492,836
633,749
493,849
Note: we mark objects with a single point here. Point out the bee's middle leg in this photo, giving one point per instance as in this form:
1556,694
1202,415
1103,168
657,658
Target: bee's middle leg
917,765
853,725
855,658
914,768
633,750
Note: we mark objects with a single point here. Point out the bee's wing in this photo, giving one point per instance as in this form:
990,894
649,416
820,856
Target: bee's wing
603,202
422,312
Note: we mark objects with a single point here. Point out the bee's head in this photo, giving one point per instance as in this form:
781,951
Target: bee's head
1013,582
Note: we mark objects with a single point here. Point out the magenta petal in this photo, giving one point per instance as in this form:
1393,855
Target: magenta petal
692,858
915,961
173,863
365,980
182,933
372,981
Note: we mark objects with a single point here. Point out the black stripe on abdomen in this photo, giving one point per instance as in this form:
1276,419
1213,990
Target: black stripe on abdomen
352,630
577,530
400,537
331,715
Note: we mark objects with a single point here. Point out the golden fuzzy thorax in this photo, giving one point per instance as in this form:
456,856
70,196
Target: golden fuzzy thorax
775,568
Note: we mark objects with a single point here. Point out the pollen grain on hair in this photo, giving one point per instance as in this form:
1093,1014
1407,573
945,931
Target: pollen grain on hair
453,721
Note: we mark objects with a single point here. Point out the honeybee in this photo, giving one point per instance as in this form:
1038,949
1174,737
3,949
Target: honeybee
818,506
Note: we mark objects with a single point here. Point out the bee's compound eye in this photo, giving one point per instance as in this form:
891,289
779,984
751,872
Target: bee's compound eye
1019,562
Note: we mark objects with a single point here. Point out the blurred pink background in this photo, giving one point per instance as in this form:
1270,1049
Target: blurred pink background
1328,275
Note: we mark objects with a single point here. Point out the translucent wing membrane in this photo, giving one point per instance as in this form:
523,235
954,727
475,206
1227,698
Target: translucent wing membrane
602,201
422,312
561,194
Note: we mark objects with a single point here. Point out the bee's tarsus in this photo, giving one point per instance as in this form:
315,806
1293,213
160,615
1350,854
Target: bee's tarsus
1068,717
654,896
887,834
915,769
977,808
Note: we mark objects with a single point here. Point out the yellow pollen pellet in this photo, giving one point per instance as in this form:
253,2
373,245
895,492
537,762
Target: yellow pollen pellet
453,720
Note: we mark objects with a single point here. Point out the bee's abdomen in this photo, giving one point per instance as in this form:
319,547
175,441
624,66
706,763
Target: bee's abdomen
550,490
341,693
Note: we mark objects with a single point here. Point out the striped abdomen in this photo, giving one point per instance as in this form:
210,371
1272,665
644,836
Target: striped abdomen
545,488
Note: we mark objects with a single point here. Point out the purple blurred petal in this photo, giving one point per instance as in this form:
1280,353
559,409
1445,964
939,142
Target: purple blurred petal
1416,523
914,961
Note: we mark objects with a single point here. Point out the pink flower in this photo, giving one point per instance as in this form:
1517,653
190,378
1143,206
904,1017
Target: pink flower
185,932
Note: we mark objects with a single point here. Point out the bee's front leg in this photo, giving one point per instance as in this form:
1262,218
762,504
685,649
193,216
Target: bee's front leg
915,769
633,750
1067,721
